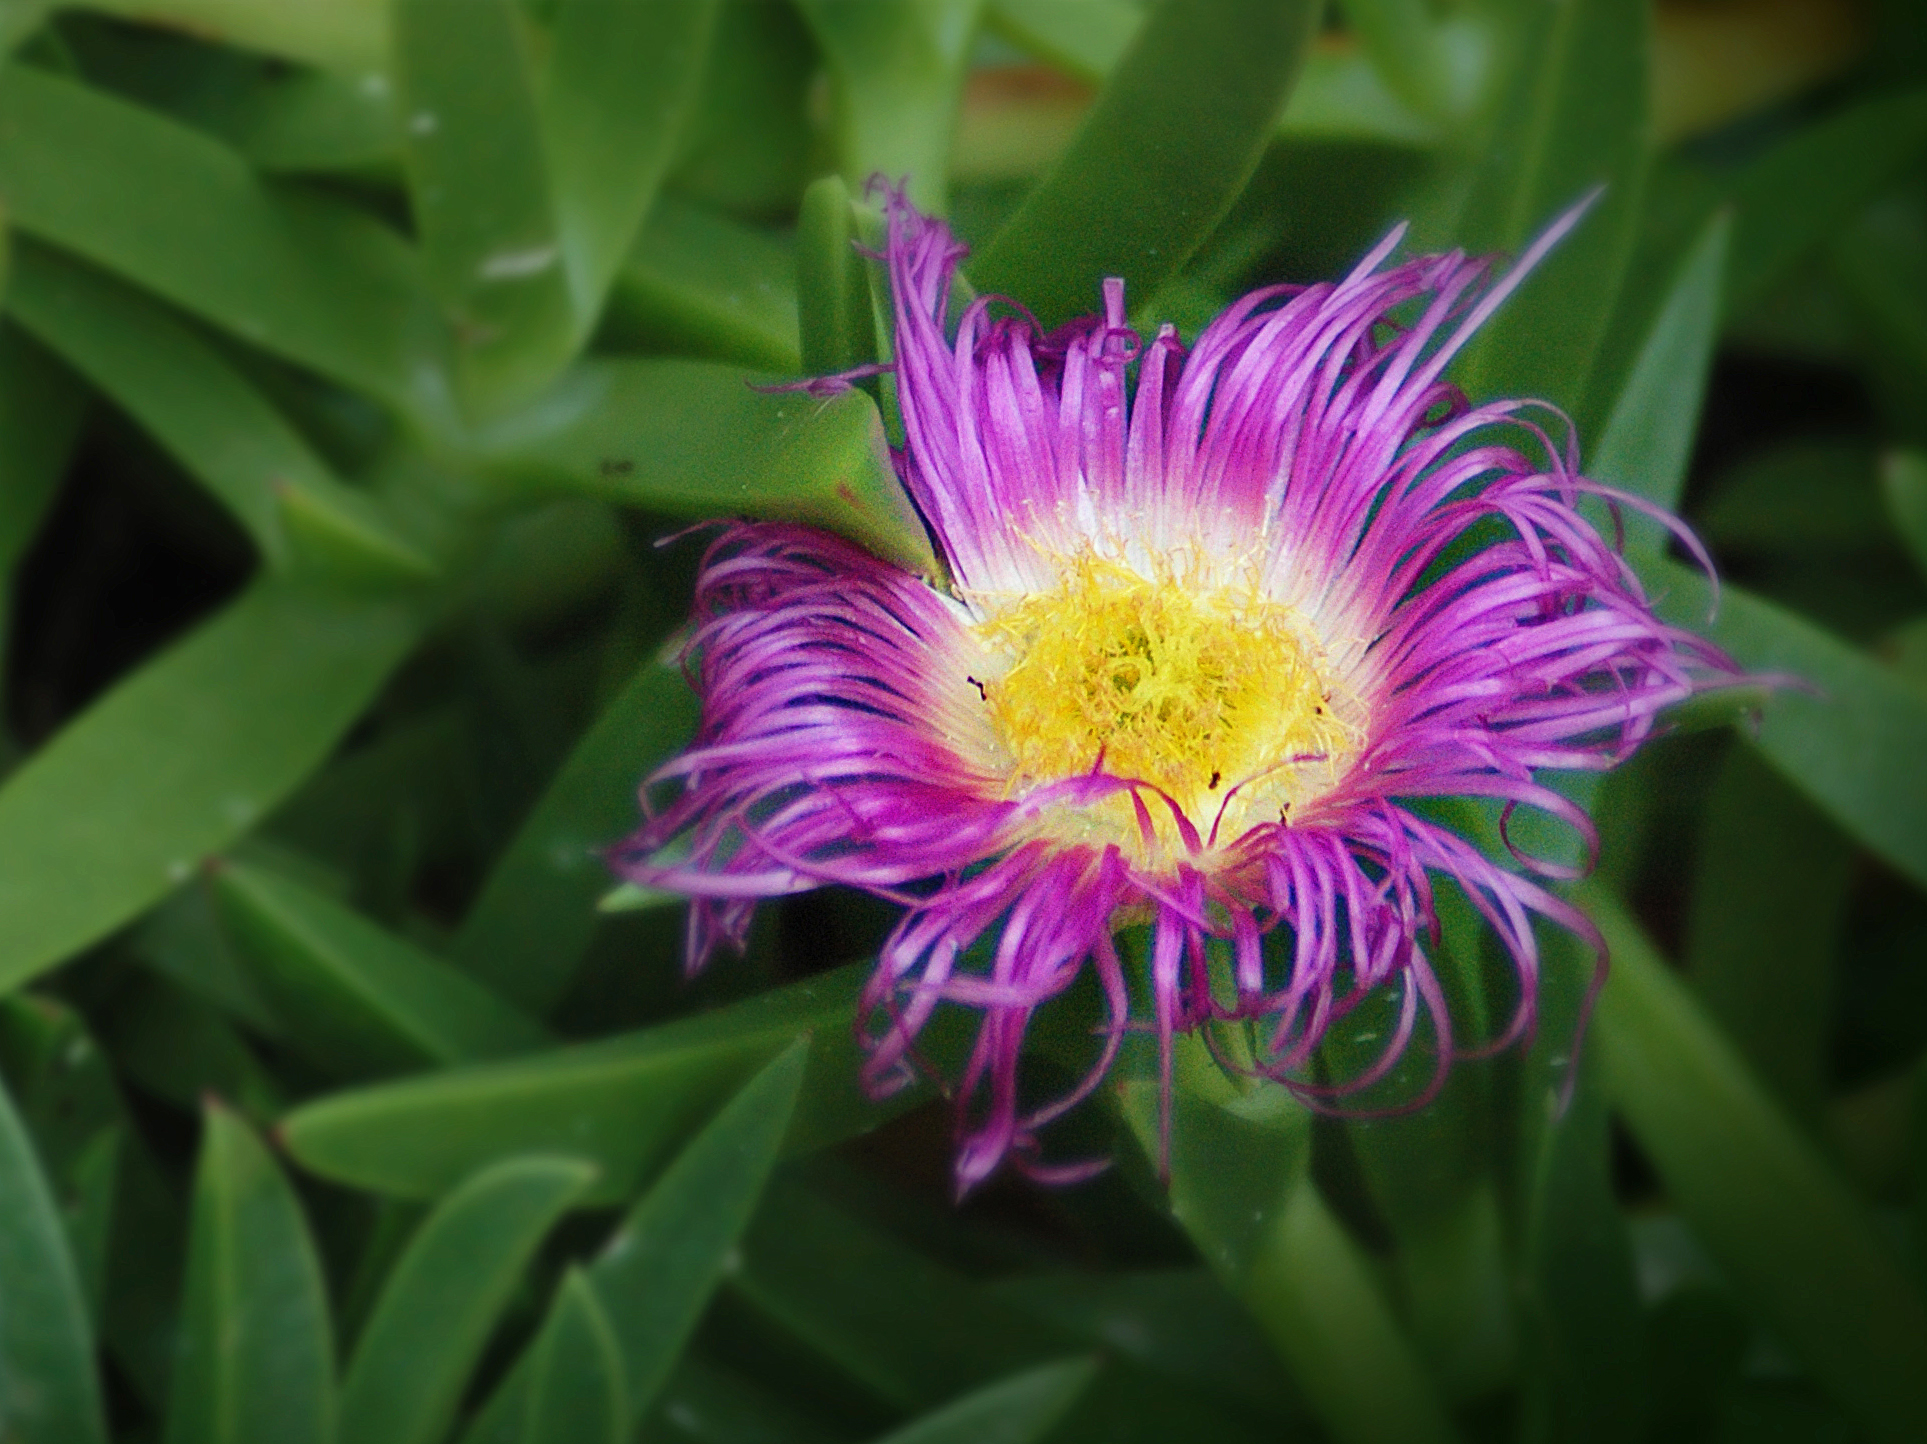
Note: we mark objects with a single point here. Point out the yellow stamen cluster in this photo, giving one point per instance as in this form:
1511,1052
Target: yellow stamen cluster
1193,689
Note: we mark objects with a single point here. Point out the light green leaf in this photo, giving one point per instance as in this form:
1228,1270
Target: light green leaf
693,439
444,1296
349,35
835,310
1576,120
180,759
624,1103
218,426
623,77
699,284
257,1354
899,73
316,120
49,1390
479,179
1149,173
537,909
355,997
1784,1229
657,1271
1903,480
1851,738
575,1392
178,213
1648,438
1013,1411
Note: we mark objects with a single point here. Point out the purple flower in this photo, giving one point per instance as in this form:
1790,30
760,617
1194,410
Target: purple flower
1203,638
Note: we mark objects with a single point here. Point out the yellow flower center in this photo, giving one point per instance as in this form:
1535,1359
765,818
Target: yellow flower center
1205,693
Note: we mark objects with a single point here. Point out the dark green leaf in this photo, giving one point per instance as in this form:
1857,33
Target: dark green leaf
354,996
1814,182
1014,1411
693,439
700,284
1903,478
257,1356
622,80
180,214
625,1102
179,760
536,912
1783,1228
657,1271
1805,496
575,1393
217,425
1648,438
1150,173
444,1295
181,1048
1576,120
1767,906
40,410
49,1392
876,1309
1850,737
1240,1185
491,244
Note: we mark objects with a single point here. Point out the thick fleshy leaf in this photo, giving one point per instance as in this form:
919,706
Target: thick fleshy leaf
899,72
1784,1229
1761,939
1903,478
1013,1411
317,120
655,1274
575,1390
1850,735
180,759
444,1295
257,1352
537,910
1814,182
1583,1330
836,315
1576,120
623,77
49,1390
698,283
625,1102
478,173
349,35
1648,438
356,998
1150,173
694,439
866,1304
219,427
1434,70
1241,1186
181,1048
1338,94
40,410
180,214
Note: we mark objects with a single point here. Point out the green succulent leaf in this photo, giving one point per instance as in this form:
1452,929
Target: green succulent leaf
257,1353
444,1295
180,759
1149,175
1016,1410
575,1388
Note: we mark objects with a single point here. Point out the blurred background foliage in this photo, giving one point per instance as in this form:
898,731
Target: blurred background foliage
361,364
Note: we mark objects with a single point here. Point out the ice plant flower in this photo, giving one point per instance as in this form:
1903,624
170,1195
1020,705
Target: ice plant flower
1205,635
